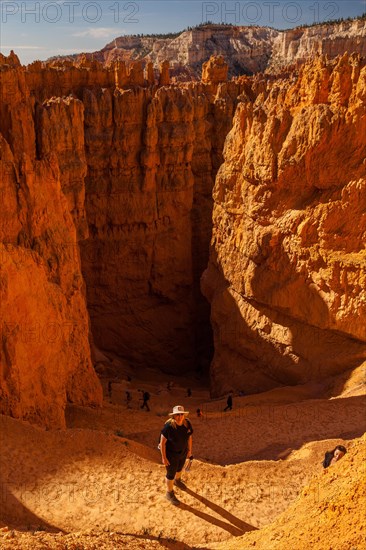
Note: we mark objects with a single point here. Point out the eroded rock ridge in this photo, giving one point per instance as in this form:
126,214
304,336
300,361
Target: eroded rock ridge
246,49
287,273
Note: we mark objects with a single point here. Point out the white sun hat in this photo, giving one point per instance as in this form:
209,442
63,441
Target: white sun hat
178,409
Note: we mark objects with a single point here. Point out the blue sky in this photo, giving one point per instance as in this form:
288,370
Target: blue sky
40,29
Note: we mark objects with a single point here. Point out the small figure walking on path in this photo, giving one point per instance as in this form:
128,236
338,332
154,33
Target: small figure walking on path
229,403
199,413
189,392
110,389
145,397
128,399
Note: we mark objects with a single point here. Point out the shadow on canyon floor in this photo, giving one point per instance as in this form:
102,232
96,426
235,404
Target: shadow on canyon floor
233,525
301,423
14,514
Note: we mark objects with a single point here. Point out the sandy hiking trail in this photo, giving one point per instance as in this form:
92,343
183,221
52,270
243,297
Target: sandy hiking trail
103,475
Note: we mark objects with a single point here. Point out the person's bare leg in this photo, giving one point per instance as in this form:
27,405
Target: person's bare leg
169,484
178,481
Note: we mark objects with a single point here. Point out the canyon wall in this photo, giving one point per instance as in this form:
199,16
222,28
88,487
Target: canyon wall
304,43
287,271
106,185
152,156
45,355
246,49
120,172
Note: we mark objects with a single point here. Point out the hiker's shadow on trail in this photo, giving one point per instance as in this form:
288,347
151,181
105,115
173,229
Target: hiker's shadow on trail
235,527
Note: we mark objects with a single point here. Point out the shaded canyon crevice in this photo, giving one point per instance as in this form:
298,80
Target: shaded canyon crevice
152,157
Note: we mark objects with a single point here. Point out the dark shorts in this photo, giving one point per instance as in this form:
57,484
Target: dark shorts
176,465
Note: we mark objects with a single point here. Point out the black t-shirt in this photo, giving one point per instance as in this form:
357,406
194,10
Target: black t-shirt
177,437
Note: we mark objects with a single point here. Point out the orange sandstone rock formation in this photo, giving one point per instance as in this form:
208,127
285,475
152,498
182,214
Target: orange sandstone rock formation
152,158
164,74
286,278
124,169
45,354
131,170
215,70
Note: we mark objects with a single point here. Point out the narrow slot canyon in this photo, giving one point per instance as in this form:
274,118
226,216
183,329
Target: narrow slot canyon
150,224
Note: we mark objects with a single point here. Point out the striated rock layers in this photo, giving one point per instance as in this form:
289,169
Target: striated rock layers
152,156
287,272
246,49
120,171
305,43
45,355
107,178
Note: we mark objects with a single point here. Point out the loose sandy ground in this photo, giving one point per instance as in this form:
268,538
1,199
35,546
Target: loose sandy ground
100,483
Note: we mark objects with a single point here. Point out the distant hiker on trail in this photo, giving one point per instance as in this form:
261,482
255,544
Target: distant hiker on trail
189,392
229,403
110,389
331,457
128,399
175,447
199,413
145,399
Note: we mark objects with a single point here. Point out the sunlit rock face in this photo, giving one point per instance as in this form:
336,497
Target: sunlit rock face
287,271
107,187
245,49
148,154
110,186
45,353
301,44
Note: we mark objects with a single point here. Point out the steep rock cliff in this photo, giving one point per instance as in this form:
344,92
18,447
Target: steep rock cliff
45,355
246,50
134,165
298,45
287,272
125,168
152,155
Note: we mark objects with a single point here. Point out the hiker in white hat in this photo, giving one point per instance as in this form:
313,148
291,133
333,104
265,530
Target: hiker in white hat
175,447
